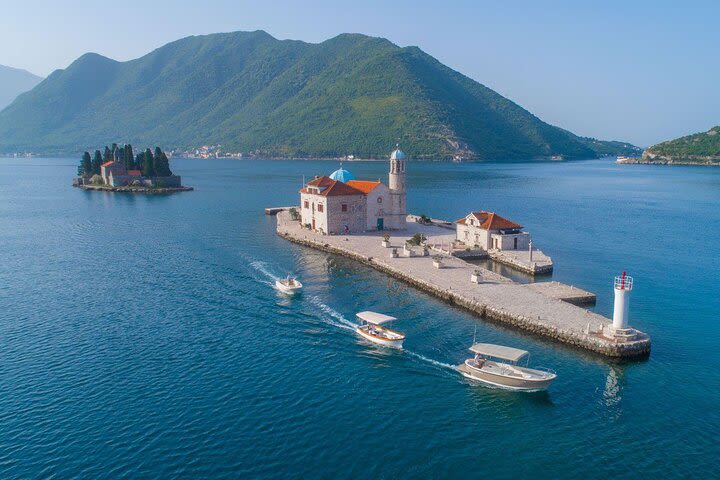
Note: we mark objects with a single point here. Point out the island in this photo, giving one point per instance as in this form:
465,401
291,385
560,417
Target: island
368,221
118,170
698,149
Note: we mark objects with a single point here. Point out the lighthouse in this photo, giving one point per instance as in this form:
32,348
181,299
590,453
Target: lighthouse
620,329
396,184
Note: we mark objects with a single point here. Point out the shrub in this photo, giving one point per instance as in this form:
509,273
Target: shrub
417,239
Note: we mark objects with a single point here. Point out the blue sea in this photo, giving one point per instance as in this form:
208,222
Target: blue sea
140,336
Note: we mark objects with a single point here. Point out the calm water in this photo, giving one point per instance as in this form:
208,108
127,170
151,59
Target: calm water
141,337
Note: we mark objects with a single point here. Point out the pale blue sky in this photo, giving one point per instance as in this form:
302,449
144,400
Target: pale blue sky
638,71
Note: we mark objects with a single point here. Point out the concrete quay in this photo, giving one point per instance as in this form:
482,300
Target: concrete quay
537,310
540,263
566,293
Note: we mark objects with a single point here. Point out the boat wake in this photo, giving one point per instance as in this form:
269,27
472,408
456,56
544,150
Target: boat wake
262,267
431,361
332,316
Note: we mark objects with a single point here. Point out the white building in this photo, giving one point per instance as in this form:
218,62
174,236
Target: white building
339,204
490,231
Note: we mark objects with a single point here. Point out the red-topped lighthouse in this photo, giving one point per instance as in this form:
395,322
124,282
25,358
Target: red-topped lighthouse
623,287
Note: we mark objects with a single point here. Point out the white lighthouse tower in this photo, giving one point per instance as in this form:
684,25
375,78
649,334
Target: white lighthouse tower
620,328
396,183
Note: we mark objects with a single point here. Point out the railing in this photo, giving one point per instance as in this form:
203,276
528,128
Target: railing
623,282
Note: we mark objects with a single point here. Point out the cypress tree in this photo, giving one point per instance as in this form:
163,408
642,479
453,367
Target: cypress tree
85,167
161,164
129,158
139,161
107,155
148,167
96,162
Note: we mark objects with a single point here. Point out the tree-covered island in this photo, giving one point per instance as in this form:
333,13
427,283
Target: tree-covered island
119,169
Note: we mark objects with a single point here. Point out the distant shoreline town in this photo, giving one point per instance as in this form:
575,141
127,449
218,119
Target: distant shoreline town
119,170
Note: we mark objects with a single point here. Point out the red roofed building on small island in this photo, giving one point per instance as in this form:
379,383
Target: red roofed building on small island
338,204
490,231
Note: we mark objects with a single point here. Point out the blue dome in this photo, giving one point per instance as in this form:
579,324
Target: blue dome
397,154
342,175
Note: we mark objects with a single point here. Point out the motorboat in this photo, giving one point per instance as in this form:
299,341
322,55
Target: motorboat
288,285
498,365
370,329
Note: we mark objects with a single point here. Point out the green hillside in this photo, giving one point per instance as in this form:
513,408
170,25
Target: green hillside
701,147
252,93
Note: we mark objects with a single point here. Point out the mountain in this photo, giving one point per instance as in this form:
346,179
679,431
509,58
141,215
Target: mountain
13,82
699,148
250,92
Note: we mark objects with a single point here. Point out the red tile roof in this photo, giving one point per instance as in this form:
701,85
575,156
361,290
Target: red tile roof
331,188
365,186
107,163
135,172
491,221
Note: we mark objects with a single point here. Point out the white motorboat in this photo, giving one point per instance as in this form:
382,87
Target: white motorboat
288,285
498,365
371,330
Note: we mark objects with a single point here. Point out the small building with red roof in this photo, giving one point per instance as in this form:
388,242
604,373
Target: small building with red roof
111,168
490,231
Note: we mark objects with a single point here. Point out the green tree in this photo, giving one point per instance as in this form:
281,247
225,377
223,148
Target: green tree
107,155
139,161
96,162
85,168
148,167
161,164
129,158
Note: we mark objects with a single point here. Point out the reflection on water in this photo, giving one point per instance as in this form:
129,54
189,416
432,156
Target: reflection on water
509,272
612,393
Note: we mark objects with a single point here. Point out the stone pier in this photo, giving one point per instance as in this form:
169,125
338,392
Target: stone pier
540,310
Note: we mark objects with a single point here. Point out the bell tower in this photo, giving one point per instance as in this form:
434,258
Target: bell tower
396,184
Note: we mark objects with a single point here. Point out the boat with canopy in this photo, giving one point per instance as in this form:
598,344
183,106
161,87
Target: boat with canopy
498,365
370,329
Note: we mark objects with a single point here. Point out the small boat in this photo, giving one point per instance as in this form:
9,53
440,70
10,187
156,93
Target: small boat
498,365
371,330
288,285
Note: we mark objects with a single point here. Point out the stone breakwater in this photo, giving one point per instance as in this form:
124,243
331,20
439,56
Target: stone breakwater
494,297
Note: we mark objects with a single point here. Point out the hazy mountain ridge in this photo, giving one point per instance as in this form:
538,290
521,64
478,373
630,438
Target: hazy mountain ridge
250,92
13,82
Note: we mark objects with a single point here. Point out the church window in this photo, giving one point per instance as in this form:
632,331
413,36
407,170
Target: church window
343,207
320,207
379,200
307,204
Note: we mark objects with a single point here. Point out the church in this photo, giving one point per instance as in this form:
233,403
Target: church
339,204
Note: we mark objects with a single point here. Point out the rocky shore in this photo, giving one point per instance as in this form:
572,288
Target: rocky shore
134,189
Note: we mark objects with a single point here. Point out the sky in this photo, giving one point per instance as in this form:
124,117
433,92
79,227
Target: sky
637,71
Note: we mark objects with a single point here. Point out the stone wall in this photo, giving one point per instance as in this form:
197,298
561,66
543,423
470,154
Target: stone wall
379,204
507,242
473,236
355,217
